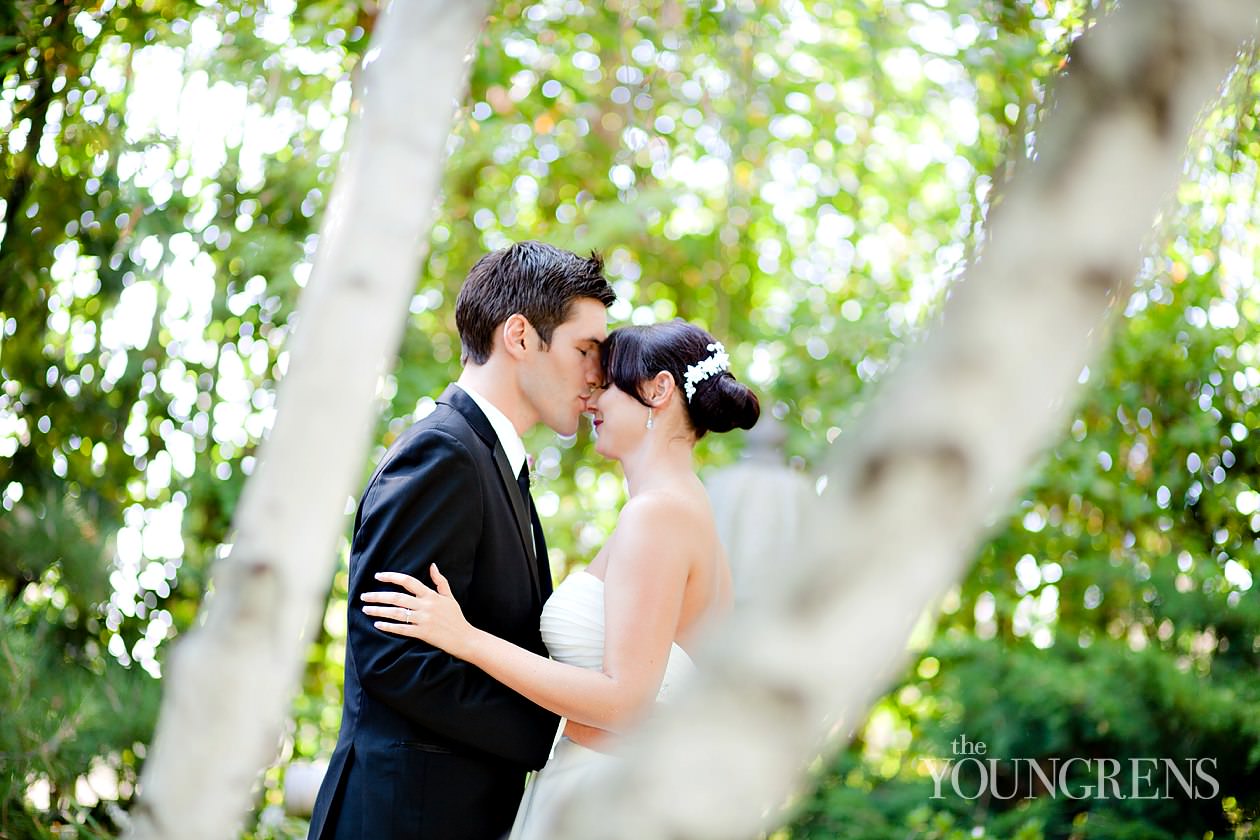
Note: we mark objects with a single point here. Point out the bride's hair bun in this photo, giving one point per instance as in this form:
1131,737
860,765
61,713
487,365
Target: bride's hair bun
633,355
723,403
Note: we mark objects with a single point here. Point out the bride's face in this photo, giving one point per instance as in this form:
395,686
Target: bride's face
619,420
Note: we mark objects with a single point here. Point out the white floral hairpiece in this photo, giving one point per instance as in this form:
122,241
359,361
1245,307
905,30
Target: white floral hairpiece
702,370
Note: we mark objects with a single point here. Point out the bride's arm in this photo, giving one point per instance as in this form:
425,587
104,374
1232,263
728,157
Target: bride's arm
645,577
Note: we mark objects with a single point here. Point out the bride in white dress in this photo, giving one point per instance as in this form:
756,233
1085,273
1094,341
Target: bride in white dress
618,630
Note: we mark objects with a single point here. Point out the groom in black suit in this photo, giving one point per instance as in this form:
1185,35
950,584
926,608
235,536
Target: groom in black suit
431,747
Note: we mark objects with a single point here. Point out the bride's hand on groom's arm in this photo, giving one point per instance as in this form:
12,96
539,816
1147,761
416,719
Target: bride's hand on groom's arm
420,612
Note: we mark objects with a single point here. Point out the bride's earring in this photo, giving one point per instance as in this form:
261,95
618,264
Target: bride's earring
650,423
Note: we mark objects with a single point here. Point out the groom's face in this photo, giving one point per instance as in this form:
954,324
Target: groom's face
557,380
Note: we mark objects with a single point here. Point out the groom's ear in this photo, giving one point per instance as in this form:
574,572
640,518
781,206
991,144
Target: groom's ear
659,388
515,331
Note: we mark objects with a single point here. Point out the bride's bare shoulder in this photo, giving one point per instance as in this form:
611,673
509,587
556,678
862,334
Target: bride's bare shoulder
664,509
656,535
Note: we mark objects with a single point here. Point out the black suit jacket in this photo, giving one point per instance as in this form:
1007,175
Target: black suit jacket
430,746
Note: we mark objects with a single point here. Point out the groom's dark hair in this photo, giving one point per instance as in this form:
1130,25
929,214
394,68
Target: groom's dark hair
537,280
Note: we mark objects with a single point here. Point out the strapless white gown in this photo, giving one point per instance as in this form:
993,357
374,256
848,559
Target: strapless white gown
573,630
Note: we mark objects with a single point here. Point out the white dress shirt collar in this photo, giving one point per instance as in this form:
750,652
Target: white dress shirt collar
513,446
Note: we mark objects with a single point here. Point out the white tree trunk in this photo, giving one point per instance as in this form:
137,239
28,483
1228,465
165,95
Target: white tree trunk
942,449
229,681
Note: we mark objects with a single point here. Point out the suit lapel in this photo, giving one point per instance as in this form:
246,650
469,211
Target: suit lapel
458,399
514,493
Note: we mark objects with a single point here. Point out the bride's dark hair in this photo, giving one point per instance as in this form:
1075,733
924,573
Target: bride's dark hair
633,355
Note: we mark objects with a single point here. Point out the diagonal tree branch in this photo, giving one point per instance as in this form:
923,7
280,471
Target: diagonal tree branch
944,446
229,681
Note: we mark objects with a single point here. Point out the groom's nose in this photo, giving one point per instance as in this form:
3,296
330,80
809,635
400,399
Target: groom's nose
592,373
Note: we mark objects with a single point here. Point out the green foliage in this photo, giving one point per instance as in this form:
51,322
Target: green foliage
67,712
805,179
1111,614
138,361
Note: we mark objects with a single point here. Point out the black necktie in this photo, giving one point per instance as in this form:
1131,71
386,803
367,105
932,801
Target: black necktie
540,544
522,481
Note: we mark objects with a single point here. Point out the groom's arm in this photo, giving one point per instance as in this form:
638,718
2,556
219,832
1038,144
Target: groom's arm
425,507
